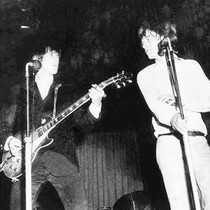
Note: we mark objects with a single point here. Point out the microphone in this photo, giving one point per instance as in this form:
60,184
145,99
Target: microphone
162,46
35,64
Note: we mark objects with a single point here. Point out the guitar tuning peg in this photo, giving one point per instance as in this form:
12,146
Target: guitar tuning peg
118,86
123,83
130,81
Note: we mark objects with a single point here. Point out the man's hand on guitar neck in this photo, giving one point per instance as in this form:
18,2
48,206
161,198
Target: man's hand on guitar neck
13,144
96,94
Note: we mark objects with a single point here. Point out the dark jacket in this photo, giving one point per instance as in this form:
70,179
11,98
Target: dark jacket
13,121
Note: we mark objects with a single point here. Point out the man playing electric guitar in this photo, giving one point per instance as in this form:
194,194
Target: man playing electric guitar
61,170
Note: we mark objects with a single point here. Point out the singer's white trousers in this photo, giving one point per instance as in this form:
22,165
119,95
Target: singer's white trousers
170,161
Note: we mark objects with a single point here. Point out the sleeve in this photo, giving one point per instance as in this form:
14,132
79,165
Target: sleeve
163,112
195,88
84,120
95,110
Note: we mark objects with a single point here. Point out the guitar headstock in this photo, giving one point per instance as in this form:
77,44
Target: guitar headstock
119,80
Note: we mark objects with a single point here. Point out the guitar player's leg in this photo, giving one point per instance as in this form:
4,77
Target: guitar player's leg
39,177
70,191
64,177
18,190
17,201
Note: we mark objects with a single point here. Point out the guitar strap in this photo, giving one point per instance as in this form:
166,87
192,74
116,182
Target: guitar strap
55,99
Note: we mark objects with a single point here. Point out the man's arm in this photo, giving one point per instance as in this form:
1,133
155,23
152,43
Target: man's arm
85,119
162,106
194,87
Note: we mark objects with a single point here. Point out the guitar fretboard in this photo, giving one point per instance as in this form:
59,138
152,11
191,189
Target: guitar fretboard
52,123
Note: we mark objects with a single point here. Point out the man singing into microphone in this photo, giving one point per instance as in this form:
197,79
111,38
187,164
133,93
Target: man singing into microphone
57,163
155,84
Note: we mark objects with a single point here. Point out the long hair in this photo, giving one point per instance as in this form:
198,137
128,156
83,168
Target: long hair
48,49
164,28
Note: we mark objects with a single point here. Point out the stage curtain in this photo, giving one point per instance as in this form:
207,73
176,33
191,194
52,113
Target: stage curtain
109,166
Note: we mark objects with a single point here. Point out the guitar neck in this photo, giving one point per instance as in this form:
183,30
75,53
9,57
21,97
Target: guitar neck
84,99
69,110
61,116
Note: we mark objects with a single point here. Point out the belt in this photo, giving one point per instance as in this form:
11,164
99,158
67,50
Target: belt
190,133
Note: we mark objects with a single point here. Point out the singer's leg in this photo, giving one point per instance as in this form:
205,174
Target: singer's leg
201,158
169,158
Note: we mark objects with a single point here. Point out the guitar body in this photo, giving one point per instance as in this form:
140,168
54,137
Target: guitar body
12,163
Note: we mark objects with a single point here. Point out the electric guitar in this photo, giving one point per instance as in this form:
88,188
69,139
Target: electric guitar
12,163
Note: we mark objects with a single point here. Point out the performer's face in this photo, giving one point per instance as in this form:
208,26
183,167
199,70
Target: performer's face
150,44
50,62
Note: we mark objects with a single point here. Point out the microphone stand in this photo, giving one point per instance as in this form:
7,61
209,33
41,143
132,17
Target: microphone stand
28,147
190,175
